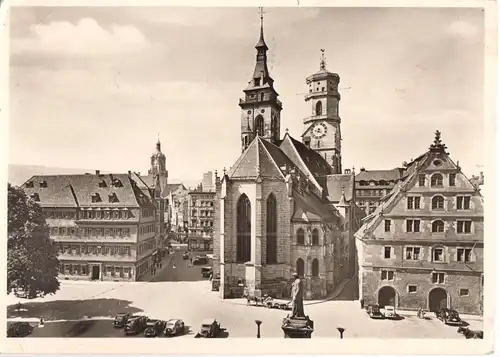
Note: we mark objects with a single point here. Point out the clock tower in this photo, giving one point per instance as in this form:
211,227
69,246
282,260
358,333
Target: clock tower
260,107
322,128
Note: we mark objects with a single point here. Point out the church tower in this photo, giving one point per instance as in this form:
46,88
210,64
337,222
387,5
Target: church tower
260,108
158,162
322,128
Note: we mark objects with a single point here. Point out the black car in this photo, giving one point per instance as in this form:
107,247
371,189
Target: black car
185,256
135,325
19,329
374,312
442,314
452,318
121,319
154,328
200,260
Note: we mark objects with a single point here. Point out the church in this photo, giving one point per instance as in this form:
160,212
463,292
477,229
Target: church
285,206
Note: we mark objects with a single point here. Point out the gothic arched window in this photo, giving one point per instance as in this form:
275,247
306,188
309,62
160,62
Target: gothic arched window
243,229
315,237
315,267
319,108
438,226
271,230
300,236
437,202
299,268
259,125
436,180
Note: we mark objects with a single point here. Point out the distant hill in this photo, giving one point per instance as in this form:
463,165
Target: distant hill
19,174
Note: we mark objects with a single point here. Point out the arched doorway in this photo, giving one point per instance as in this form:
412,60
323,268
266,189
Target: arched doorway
438,299
387,296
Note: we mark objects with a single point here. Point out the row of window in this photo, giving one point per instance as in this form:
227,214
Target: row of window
371,192
462,255
84,270
437,226
373,203
93,250
301,237
147,228
148,212
436,180
300,267
105,214
437,202
203,204
202,223
146,246
90,232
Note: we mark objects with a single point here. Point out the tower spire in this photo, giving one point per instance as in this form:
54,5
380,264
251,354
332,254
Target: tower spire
322,64
261,43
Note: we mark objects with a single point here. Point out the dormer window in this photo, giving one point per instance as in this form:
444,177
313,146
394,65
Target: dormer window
43,183
30,184
117,183
96,198
256,82
35,197
113,198
102,183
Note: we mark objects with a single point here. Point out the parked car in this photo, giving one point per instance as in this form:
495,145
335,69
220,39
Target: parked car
374,312
449,317
121,319
154,328
174,327
390,312
185,256
19,329
271,303
210,328
199,260
135,325
206,272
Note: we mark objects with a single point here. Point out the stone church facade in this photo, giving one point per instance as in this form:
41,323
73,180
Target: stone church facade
285,206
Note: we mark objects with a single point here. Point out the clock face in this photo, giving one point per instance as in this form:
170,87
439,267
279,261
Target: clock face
319,130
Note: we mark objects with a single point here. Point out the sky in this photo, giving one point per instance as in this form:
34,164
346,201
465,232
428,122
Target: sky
92,87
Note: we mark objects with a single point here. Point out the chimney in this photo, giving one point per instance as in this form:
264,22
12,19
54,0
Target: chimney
129,173
362,169
347,171
97,172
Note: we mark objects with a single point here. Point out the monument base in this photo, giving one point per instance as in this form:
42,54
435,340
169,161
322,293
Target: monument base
297,327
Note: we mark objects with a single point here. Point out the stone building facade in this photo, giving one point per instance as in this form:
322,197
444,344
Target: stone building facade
285,206
423,246
105,226
201,219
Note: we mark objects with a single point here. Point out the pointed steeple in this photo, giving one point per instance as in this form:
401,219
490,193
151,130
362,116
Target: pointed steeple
158,144
261,44
322,64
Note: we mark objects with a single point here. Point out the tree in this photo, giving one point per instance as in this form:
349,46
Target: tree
32,263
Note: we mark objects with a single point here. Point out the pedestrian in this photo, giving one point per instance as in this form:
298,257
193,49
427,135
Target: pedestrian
362,302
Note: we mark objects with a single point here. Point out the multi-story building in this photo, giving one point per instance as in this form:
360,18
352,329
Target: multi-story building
177,209
208,183
423,246
201,219
105,226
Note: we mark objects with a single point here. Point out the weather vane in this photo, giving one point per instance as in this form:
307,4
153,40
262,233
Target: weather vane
261,12
323,59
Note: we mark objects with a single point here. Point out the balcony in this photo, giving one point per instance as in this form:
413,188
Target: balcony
256,101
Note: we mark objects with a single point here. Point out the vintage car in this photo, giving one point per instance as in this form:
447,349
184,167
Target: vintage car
174,327
154,328
210,328
200,260
206,272
390,312
185,256
271,303
374,312
121,319
19,329
449,317
135,325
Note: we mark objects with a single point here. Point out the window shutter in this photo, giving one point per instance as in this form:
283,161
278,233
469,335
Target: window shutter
472,256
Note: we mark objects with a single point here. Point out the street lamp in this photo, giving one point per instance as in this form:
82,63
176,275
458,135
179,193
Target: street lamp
341,330
258,322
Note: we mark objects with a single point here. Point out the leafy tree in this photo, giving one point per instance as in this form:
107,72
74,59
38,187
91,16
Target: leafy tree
32,263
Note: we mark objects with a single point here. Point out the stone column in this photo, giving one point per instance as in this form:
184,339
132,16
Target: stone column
307,273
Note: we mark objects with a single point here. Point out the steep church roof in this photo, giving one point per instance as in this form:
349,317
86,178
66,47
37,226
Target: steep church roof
261,158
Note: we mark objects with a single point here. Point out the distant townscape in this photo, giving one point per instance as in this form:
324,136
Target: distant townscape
289,226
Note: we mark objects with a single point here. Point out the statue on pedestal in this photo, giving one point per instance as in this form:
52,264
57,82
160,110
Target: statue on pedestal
297,324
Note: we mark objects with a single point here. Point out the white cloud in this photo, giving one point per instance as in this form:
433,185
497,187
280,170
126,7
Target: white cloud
462,29
87,37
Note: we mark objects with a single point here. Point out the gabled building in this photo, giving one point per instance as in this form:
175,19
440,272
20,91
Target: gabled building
105,226
423,246
285,206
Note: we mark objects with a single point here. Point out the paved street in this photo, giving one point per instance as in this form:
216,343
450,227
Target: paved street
182,270
194,301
